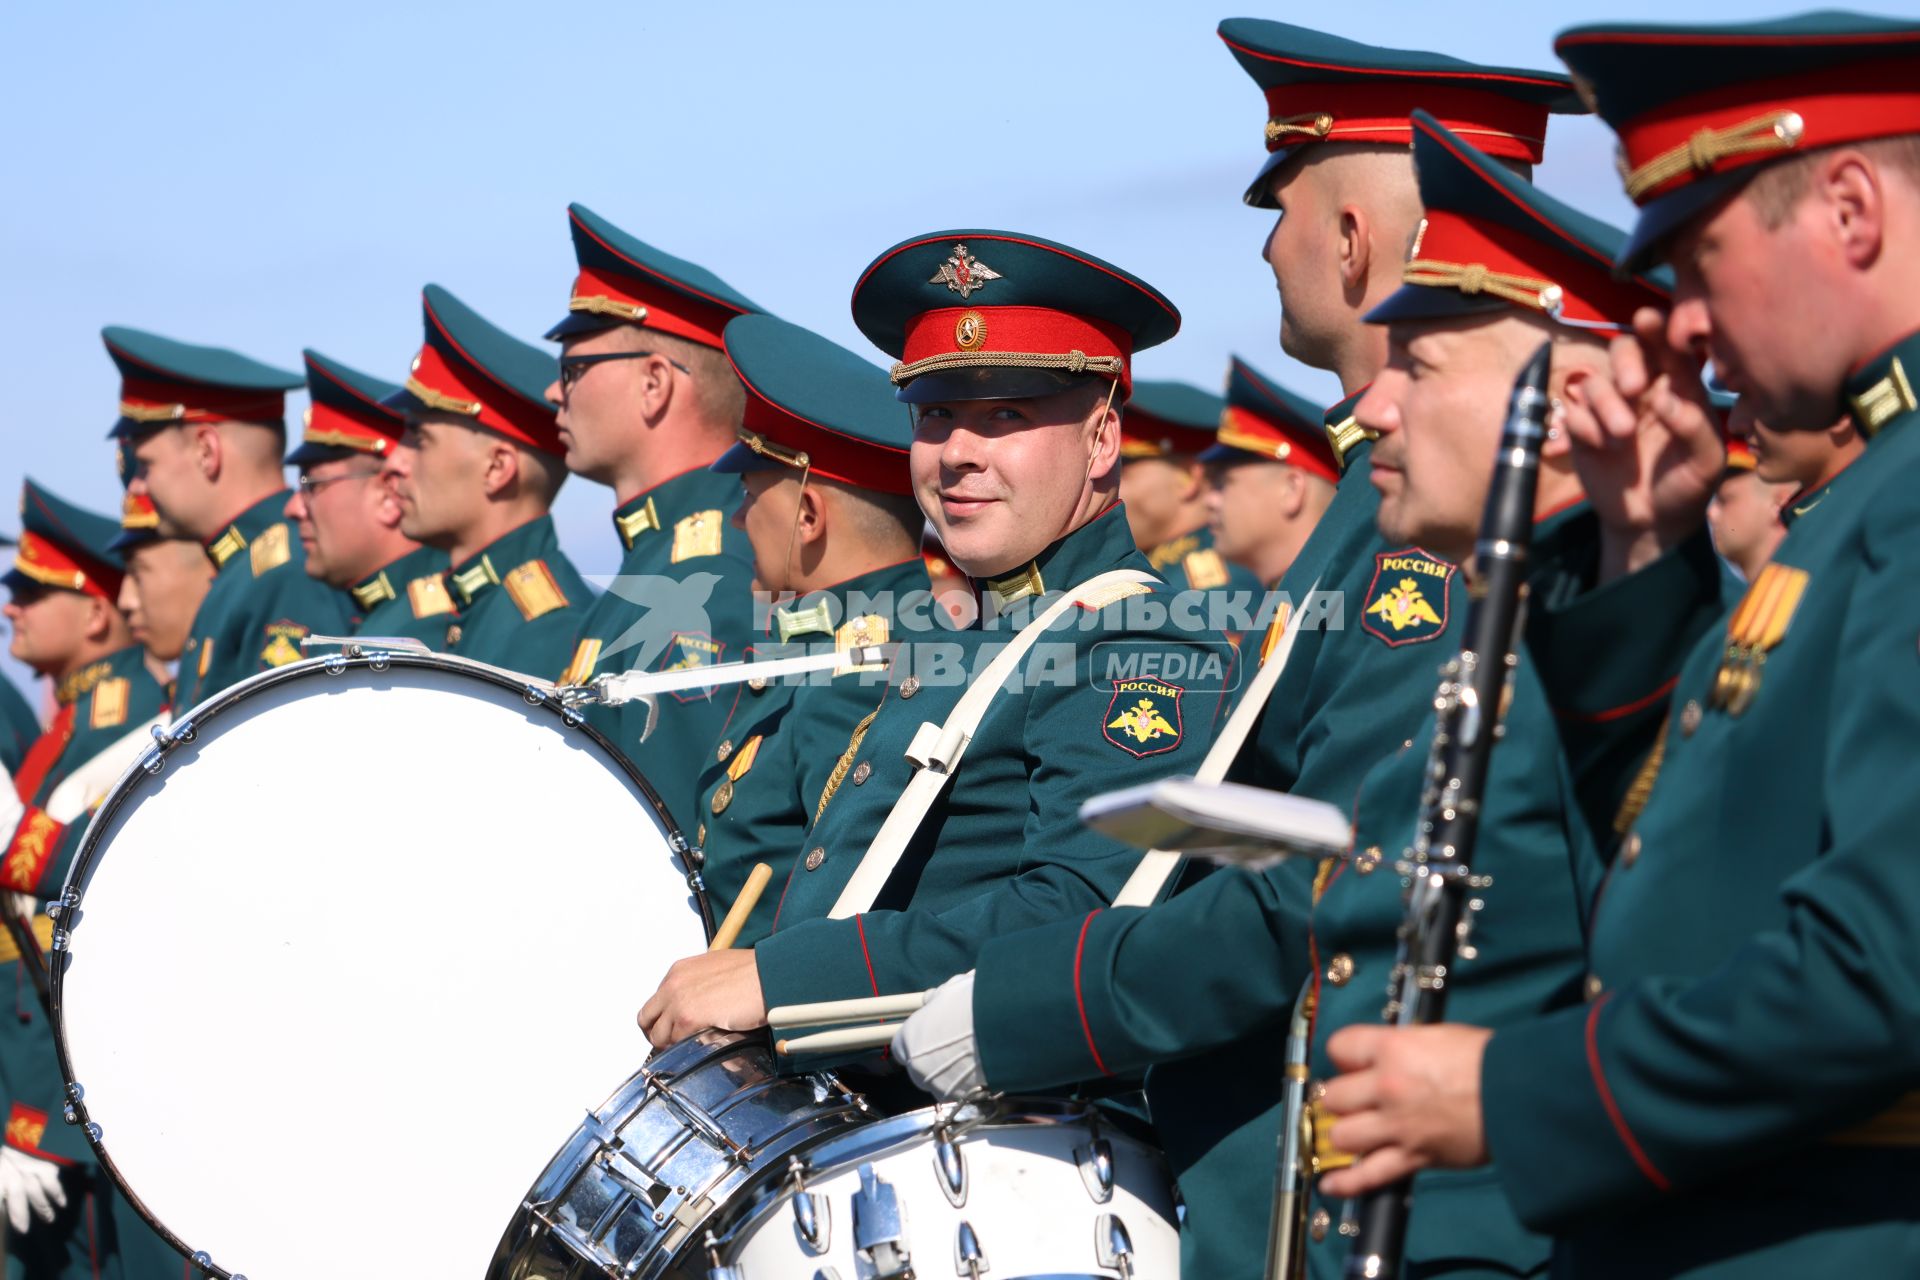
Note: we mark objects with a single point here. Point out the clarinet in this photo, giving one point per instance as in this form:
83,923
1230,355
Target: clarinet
1469,705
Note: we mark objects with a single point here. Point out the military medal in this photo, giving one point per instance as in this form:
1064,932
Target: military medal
1759,623
741,762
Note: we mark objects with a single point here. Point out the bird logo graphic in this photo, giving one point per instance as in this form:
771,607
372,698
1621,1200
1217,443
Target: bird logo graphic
1404,607
1407,601
963,273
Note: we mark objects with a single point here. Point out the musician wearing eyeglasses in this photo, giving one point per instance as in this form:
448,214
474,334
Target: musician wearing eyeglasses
347,513
479,466
646,401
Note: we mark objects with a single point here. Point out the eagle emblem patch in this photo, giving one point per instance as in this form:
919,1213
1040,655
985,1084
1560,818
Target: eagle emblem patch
686,650
1143,719
1407,600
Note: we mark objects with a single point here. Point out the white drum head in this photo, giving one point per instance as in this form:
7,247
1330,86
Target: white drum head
344,976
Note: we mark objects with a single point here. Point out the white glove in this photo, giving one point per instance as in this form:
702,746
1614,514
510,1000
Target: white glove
29,1183
937,1045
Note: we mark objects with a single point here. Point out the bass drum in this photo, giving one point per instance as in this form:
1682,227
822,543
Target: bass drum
710,1165
347,952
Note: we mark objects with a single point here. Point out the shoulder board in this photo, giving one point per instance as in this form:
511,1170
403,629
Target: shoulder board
110,698
698,535
1113,595
863,632
429,596
1205,570
270,550
534,590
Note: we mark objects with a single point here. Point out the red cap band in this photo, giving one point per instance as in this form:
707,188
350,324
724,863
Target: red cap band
830,453
462,389
1017,331
51,565
1144,436
1379,110
1252,432
1479,252
176,402
636,300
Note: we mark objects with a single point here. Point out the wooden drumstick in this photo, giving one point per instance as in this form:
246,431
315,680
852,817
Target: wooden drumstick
729,931
864,1009
874,1037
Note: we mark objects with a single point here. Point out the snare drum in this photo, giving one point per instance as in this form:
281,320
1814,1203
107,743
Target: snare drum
709,1165
345,955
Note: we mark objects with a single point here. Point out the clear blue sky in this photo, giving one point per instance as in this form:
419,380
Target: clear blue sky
273,176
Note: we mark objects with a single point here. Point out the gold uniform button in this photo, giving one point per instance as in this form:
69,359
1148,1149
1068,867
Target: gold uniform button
1594,986
862,772
722,796
724,750
815,856
1366,862
1340,969
1630,851
1319,1224
758,684
1689,718
700,834
909,686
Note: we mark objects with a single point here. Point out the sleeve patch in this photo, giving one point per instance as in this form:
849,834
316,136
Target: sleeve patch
110,698
1205,570
533,589
685,651
270,550
29,851
1408,600
26,1127
429,596
698,535
283,643
1143,718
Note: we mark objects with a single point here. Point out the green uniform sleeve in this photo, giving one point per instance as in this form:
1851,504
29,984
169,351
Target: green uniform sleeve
1811,1025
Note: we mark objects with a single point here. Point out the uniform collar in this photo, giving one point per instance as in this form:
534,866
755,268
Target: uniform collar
250,524
1104,542
480,573
1807,499
662,506
71,688
825,610
1179,547
1349,440
391,580
1885,391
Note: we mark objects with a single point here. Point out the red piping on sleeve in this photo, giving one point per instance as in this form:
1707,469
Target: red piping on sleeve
860,923
1079,997
1632,1144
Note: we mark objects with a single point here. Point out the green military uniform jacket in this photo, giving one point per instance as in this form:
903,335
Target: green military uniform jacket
679,532
407,598
1201,988
1737,1097
98,707
520,600
762,780
259,608
1233,595
18,725
1004,848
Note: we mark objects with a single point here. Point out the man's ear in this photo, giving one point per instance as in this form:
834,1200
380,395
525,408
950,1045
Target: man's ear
810,517
1103,453
384,504
502,474
100,617
655,375
209,449
1854,200
1196,484
1293,491
1356,251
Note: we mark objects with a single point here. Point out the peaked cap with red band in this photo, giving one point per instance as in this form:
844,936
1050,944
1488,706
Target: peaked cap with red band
1168,420
1491,240
815,407
994,315
1266,421
472,369
349,416
1700,108
164,383
1321,88
64,546
139,518
624,280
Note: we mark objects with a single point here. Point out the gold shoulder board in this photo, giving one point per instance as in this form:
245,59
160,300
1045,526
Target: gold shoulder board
110,702
1114,594
270,550
533,589
698,535
428,596
1205,570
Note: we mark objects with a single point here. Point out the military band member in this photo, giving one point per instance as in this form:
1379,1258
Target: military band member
1270,473
64,581
1736,1097
1014,353
646,401
1164,429
1745,514
165,581
482,466
19,726
348,515
1810,461
1351,697
834,529
207,428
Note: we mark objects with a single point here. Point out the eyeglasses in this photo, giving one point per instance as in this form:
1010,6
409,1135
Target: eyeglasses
310,486
573,368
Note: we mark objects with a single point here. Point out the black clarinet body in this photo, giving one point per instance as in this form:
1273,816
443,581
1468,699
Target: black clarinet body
1468,706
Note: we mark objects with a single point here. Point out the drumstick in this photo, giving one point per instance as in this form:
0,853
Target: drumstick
827,1012
729,931
875,1037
